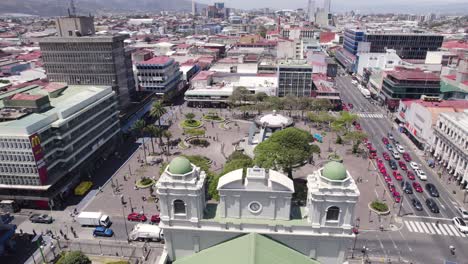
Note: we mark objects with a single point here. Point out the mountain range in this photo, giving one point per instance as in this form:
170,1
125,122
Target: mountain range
59,7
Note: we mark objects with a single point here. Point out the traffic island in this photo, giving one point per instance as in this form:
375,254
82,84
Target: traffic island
144,182
379,207
191,123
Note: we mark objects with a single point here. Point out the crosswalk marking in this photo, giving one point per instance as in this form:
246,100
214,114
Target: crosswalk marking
454,230
433,229
418,225
370,115
425,228
447,229
436,229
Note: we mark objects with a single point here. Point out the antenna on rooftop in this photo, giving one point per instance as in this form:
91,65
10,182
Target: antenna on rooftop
73,8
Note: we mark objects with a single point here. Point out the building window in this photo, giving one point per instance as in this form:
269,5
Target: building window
333,213
179,207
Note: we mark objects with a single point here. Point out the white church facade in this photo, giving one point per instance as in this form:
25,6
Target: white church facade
257,202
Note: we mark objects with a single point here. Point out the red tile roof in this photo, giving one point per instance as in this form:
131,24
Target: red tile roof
203,75
30,56
157,60
455,44
451,77
414,75
28,97
326,37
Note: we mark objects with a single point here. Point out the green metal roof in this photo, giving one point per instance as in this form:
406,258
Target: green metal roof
335,171
180,165
248,249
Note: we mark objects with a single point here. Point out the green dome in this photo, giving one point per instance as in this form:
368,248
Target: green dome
335,171
180,165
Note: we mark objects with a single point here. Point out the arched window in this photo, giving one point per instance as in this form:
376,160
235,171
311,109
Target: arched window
179,207
333,213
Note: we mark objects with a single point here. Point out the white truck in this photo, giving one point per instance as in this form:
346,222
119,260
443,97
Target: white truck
93,219
146,232
365,92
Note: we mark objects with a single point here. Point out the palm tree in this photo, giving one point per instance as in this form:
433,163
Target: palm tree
139,128
168,135
157,111
158,132
150,130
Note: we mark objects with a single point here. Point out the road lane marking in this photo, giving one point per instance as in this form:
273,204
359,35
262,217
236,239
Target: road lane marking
462,234
408,226
447,229
415,228
418,225
436,229
455,231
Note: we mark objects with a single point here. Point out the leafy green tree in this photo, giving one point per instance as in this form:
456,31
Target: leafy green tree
74,257
260,97
314,149
190,117
157,111
321,105
339,140
262,30
241,95
150,130
356,137
345,120
284,149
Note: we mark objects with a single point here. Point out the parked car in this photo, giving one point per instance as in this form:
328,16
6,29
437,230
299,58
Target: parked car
385,141
406,187
390,148
103,231
410,175
396,196
395,155
391,187
350,105
432,190
390,136
155,219
416,204
463,212
414,165
137,217
432,205
397,175
379,161
386,156
400,148
421,175
392,164
417,187
460,224
406,157
387,179
402,165
41,218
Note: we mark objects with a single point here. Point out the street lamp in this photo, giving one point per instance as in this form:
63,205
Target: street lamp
355,232
125,221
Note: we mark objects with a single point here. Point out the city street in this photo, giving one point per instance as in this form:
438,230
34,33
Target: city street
418,232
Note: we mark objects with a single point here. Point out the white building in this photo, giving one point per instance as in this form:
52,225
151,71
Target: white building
52,131
378,61
450,145
257,203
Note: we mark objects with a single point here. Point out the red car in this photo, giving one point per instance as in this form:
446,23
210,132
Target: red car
383,171
411,175
379,161
406,157
391,187
358,127
385,141
386,156
137,217
402,165
417,187
397,176
155,219
369,145
387,179
350,105
396,196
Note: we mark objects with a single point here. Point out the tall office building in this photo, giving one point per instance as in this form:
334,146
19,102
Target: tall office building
327,6
194,7
294,78
311,11
81,58
160,75
50,135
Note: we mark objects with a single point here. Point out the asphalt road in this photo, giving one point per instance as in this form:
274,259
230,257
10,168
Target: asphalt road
418,240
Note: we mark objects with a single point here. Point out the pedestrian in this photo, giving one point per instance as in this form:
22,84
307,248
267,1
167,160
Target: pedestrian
61,232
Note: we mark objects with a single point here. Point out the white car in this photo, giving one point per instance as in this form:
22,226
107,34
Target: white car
354,82
460,224
395,155
400,148
421,174
414,165
463,212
